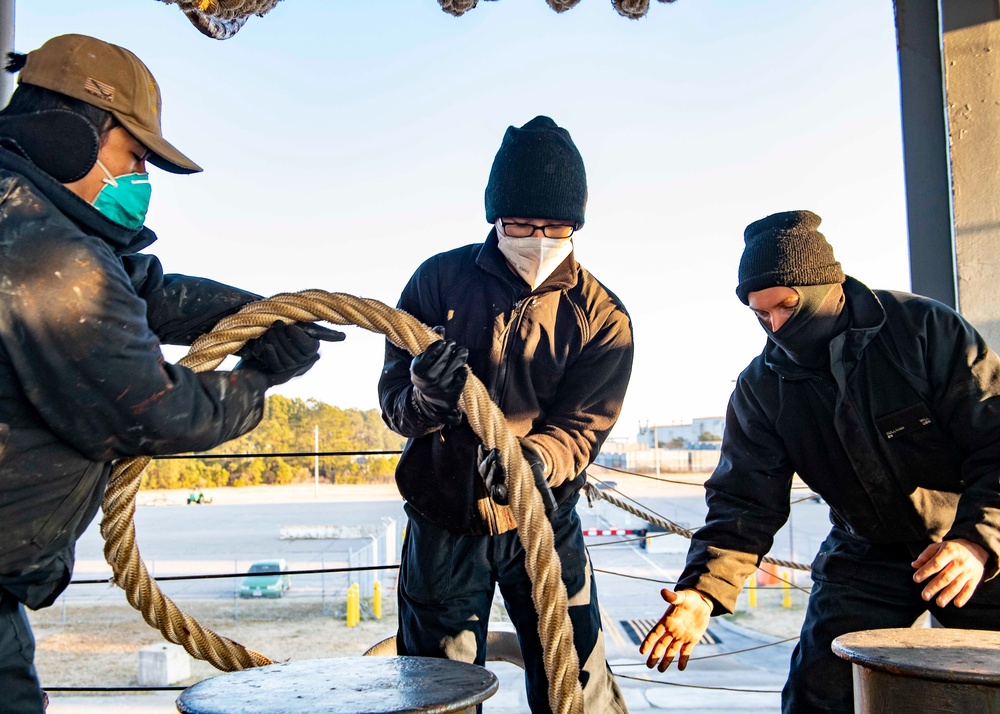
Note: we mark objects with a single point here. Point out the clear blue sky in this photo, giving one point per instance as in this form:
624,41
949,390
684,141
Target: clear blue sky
345,142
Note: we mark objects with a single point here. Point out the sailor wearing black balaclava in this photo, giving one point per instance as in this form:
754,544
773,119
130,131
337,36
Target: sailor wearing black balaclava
786,250
887,405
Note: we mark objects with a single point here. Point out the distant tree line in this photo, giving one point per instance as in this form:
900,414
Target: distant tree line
288,426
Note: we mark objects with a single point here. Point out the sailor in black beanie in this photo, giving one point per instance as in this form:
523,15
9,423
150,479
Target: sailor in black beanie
887,405
785,250
554,348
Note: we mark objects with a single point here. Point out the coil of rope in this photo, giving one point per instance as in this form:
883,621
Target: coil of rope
548,592
221,19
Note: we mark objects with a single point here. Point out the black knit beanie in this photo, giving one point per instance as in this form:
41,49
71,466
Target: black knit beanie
786,249
537,173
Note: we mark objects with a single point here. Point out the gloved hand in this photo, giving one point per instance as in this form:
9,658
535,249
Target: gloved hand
286,350
493,474
438,376
492,471
541,483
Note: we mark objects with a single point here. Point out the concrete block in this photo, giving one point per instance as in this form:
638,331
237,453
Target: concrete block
163,664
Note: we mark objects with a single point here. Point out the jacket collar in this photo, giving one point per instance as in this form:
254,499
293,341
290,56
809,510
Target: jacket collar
867,318
490,259
122,240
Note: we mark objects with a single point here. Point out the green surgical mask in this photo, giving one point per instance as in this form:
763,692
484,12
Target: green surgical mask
124,199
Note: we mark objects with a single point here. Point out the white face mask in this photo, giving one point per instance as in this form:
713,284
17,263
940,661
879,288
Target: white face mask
534,259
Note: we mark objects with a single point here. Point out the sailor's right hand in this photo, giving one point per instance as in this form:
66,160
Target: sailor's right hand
679,630
494,476
285,351
438,376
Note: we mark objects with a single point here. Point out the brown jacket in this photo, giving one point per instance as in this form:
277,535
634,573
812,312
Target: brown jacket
556,360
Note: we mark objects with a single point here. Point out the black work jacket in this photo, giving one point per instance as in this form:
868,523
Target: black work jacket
556,360
901,438
82,377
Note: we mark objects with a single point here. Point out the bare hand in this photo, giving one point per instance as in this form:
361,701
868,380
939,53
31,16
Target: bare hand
959,567
679,630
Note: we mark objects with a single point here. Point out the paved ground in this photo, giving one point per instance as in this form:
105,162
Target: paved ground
230,534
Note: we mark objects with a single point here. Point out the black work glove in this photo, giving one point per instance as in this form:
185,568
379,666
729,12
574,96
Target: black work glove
438,376
493,474
286,350
492,471
541,483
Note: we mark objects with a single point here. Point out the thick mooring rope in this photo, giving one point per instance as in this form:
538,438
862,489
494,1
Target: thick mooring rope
593,492
562,666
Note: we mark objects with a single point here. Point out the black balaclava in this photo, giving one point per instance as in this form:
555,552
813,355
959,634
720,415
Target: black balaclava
786,249
820,316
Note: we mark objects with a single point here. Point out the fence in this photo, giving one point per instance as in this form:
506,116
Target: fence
648,460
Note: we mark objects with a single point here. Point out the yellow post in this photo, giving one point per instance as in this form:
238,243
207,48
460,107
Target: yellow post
786,589
353,605
377,600
752,591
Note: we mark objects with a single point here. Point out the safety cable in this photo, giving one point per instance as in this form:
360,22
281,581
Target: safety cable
220,576
626,541
366,568
699,686
655,581
789,583
649,477
747,649
717,654
674,582
666,480
290,454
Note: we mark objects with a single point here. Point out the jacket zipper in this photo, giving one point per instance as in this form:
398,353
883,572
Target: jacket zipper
850,401
505,348
513,324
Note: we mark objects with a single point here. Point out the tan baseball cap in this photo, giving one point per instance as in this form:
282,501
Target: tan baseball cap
113,79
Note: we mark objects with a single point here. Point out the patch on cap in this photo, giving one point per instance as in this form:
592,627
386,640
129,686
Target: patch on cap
99,89
154,93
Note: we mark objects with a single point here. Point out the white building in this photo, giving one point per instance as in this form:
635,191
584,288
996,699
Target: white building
692,434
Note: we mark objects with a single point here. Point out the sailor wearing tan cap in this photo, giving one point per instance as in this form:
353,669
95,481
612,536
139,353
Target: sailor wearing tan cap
82,316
